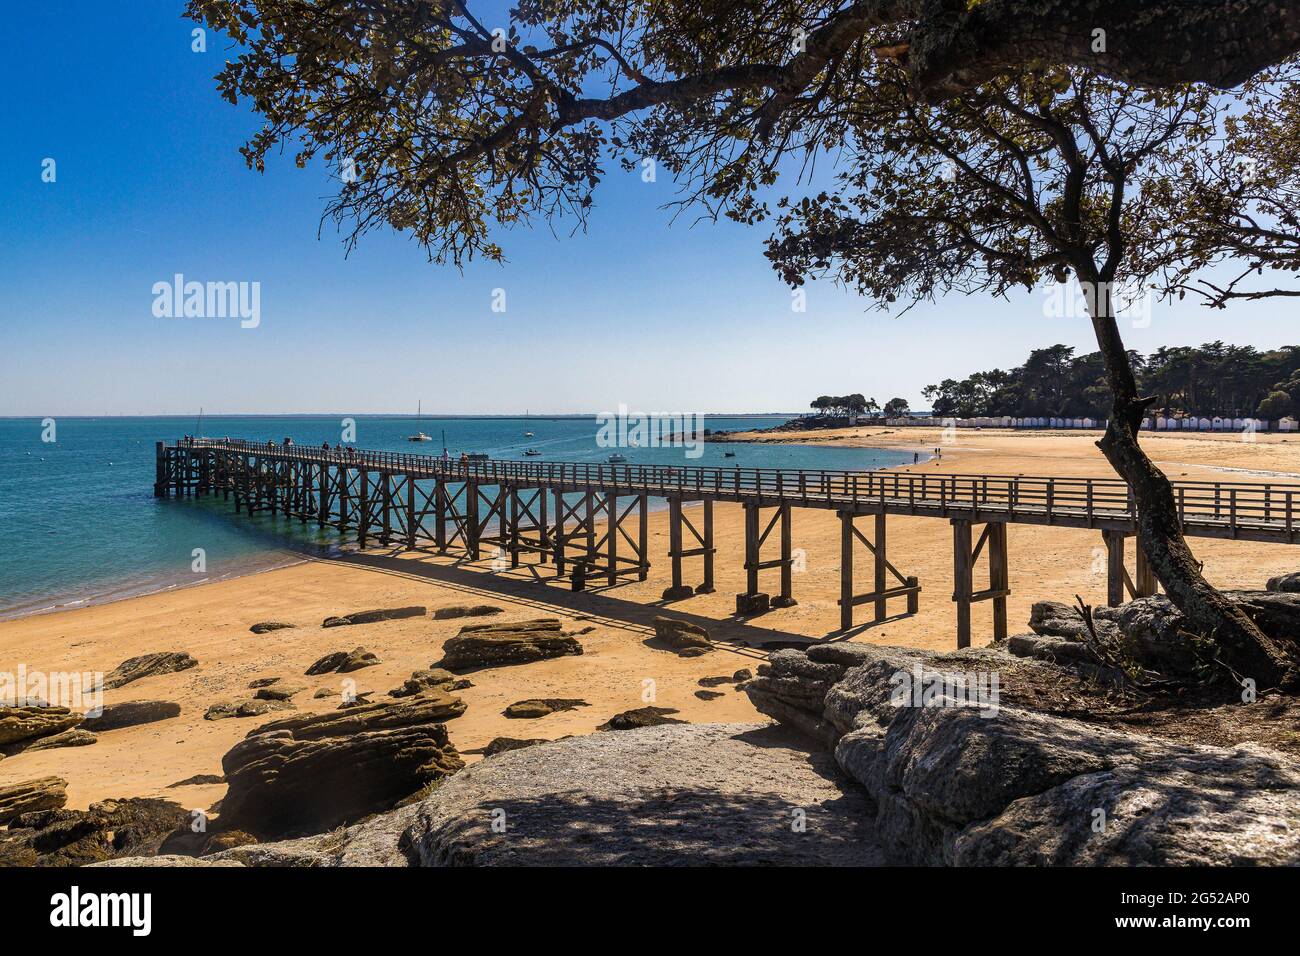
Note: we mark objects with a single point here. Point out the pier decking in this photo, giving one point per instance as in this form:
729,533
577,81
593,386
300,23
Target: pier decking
555,509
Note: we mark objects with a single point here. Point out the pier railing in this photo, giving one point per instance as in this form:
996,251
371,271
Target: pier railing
1219,509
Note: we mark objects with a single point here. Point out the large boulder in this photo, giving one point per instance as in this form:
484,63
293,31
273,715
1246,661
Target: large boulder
536,707
682,635
957,778
423,680
43,793
20,726
373,617
130,713
310,773
147,665
1288,583
709,794
499,645
344,662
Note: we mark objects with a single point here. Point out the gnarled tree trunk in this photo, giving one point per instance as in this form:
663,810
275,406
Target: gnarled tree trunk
1245,647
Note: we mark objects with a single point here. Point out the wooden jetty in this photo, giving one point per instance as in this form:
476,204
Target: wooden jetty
590,520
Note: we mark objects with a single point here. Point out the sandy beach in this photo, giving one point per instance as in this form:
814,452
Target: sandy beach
618,670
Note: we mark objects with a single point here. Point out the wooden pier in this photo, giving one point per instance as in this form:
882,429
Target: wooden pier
555,512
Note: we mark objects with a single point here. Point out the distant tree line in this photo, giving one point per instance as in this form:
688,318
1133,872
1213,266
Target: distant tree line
1214,379
857,404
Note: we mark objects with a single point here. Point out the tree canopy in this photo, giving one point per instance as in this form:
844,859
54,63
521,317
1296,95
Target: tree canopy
1212,380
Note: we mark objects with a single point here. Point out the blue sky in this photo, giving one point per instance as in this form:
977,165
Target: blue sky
657,315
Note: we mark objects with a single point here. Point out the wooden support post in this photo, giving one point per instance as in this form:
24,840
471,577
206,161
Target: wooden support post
513,537
590,556
386,502
999,577
751,548
611,537
323,490
1114,541
410,510
786,597
363,509
963,578
643,536
846,570
471,520
707,586
677,591
160,470
558,540
881,568
544,528
345,499
1147,584
440,515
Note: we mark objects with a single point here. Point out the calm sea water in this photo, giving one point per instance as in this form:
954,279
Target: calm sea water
80,523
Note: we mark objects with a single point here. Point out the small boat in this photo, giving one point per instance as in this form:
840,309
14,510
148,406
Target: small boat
616,459
728,454
419,435
477,456
531,453
527,434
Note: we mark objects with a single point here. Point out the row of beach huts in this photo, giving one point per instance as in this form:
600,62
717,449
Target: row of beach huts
1158,423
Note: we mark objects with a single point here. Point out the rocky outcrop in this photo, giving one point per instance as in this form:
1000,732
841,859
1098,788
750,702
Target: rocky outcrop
278,691
641,717
310,773
682,636
1288,583
374,617
148,665
689,795
255,707
108,829
20,726
344,662
265,627
957,777
506,644
131,713
738,677
1149,631
76,737
43,793
420,681
540,707
452,611
710,794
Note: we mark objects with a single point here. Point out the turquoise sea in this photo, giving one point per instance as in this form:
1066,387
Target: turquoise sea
81,524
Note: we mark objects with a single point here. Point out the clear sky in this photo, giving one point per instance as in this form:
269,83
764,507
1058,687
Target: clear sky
659,315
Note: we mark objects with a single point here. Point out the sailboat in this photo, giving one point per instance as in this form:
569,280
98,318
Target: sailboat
419,435
528,434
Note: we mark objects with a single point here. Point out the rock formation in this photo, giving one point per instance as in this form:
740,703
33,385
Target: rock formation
373,617
465,610
310,773
147,665
682,636
500,645
540,707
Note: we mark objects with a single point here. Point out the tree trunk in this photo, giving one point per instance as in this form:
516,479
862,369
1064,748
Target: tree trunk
1245,647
